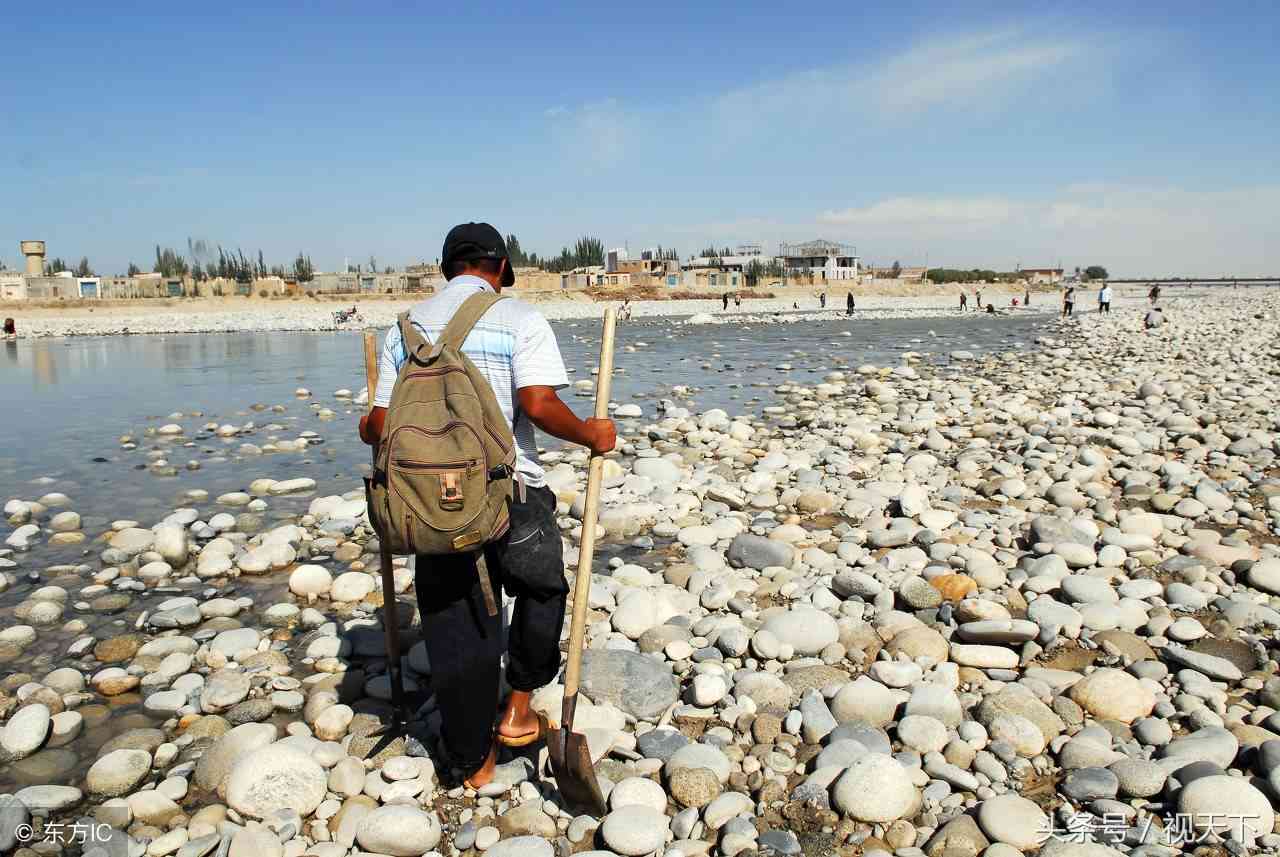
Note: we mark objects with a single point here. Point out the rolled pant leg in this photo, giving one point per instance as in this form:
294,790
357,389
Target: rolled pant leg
464,645
532,560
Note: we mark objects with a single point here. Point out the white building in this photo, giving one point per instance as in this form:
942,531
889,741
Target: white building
825,260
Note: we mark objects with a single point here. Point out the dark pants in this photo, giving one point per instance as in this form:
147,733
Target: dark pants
464,643
1104,306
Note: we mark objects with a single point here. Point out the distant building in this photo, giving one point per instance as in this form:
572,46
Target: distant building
422,278
736,262
51,288
614,258
13,286
713,278
820,260
1041,276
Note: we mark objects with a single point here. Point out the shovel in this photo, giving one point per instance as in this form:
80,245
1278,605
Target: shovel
570,759
390,620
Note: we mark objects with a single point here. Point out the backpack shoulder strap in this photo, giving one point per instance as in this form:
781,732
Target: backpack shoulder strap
414,343
455,333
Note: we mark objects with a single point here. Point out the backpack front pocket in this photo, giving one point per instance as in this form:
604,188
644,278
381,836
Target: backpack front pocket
438,477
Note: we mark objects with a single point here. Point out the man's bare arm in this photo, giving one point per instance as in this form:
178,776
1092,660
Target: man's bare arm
553,416
546,411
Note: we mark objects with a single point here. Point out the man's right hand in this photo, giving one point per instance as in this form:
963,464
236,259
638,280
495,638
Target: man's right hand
602,434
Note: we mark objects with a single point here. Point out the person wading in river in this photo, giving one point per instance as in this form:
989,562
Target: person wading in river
515,349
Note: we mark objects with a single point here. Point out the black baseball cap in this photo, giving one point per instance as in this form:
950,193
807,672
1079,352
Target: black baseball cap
468,241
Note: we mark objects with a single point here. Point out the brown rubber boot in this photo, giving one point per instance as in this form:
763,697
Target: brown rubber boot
520,725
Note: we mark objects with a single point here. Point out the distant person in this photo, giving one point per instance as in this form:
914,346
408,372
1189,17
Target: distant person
724,298
1014,302
991,309
626,309
848,304
737,301
978,303
1104,298
795,304
1068,301
964,301
822,300
1153,319
1154,294
10,327
1026,298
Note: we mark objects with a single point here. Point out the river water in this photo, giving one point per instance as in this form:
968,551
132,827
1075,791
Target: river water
71,400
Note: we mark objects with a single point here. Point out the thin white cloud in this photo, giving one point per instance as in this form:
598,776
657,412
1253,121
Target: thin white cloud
595,136
913,211
954,72
980,66
950,72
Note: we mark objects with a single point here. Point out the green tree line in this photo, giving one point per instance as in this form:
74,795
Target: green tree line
756,270
973,275
586,251
228,264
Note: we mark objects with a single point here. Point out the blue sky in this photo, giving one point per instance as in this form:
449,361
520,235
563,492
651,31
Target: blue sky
1145,139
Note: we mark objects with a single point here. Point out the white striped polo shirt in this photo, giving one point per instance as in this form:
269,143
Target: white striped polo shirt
512,345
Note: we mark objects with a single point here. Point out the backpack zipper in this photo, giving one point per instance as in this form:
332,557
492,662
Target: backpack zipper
440,432
406,464
431,373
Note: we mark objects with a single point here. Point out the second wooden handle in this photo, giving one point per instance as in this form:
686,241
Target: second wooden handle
586,549
370,366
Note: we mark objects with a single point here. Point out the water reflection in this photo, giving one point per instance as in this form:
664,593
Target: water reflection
46,367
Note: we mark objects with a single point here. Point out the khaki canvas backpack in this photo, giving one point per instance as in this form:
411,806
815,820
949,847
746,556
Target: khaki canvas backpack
444,469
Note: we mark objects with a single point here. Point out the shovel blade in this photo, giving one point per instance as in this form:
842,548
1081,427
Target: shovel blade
575,777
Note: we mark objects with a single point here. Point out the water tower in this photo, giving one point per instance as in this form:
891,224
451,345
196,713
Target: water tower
34,251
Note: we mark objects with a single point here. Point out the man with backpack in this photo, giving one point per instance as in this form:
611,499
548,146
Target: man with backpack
458,483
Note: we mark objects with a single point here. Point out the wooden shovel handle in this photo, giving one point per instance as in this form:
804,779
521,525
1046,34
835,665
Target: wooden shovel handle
390,617
586,550
370,366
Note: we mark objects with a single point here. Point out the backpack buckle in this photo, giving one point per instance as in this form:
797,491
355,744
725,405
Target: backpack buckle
450,491
467,540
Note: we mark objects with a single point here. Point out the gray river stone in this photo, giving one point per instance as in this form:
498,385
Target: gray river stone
754,551
638,684
1213,666
660,743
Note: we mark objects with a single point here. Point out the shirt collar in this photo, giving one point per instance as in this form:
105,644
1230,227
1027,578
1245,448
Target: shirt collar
469,280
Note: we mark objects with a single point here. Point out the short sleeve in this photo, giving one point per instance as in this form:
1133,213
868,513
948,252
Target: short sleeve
389,367
537,361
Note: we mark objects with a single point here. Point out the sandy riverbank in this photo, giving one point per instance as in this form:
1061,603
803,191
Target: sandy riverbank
225,315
